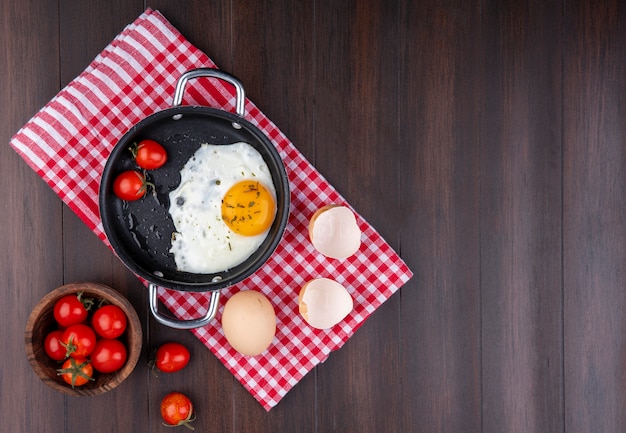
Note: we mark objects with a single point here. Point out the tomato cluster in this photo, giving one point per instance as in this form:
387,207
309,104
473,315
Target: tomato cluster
176,407
132,185
86,342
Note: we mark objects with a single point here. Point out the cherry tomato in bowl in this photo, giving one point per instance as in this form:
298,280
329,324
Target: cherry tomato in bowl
79,340
149,154
109,321
53,346
130,185
170,357
109,355
177,409
71,309
76,371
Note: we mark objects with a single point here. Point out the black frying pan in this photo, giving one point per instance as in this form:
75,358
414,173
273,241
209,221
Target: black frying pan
140,231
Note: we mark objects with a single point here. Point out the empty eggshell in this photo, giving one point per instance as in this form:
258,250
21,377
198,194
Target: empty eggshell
323,303
249,322
334,232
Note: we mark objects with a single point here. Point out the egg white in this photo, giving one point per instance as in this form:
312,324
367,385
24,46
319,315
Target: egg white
203,243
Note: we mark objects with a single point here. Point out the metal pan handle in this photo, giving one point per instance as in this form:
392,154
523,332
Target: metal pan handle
153,294
211,73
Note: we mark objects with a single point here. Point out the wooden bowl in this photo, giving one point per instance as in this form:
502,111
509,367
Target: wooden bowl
41,322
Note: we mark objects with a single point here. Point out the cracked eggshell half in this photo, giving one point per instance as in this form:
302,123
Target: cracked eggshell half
323,303
334,232
249,322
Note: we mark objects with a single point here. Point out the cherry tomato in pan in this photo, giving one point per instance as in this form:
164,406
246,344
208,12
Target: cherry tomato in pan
72,309
149,154
76,371
79,340
109,321
130,185
109,355
53,347
171,357
177,409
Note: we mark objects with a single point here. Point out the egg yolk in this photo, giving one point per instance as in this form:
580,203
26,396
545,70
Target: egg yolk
248,208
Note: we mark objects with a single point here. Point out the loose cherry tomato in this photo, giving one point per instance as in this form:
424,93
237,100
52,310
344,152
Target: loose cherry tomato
176,409
130,185
78,340
109,321
76,371
72,309
171,357
108,355
149,154
53,347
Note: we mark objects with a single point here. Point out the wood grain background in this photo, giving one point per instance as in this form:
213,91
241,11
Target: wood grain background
485,140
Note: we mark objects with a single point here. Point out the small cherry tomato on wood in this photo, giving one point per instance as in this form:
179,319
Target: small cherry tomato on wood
109,321
170,357
71,309
108,355
76,371
79,340
53,347
130,185
149,154
176,409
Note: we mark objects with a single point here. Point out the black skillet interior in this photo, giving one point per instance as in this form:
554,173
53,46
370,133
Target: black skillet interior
140,231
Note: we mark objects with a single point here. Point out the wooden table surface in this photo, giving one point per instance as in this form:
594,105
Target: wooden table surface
485,140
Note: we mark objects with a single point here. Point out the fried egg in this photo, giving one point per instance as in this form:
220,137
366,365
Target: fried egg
222,209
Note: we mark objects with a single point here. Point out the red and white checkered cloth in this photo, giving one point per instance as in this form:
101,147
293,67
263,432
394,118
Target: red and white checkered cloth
68,141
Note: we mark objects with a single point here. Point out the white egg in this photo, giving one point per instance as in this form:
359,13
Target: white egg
203,242
249,322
